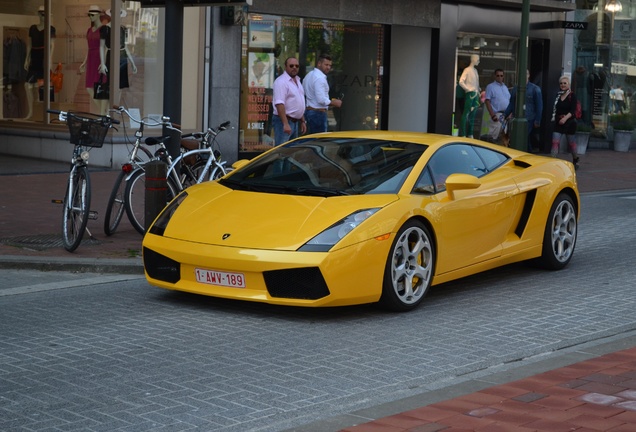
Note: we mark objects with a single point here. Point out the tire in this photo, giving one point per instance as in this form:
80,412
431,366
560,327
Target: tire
409,268
76,209
560,234
135,199
115,207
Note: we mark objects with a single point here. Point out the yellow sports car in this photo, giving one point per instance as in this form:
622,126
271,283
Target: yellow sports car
359,217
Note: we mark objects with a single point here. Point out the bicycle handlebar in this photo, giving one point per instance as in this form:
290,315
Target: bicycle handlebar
63,114
165,120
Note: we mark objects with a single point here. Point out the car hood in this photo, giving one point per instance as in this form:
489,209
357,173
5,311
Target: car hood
213,214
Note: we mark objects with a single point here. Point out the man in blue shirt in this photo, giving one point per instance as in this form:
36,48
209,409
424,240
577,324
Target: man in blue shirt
497,99
533,107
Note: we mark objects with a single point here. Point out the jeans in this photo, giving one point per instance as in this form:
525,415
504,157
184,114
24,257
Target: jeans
280,136
316,121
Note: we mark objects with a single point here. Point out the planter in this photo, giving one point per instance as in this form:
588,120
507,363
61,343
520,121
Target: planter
622,140
582,140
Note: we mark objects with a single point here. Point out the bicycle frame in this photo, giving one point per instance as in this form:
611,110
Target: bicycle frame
172,171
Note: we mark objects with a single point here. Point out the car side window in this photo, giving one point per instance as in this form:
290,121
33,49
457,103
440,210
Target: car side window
453,159
492,159
424,184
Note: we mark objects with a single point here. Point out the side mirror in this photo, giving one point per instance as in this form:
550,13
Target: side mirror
456,182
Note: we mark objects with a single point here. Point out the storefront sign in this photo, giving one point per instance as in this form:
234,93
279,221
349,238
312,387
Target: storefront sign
625,30
575,25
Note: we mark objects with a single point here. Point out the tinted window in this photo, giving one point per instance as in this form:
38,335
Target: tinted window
453,159
323,166
492,159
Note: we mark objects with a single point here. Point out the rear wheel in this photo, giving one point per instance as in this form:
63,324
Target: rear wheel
559,238
409,268
77,206
115,208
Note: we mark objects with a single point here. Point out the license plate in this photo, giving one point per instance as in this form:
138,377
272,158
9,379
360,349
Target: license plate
213,277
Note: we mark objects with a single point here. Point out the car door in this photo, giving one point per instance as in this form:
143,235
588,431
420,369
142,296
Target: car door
472,224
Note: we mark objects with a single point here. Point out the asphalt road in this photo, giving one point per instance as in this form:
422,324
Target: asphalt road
107,352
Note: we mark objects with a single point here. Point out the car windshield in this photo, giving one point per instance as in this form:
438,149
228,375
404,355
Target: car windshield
330,167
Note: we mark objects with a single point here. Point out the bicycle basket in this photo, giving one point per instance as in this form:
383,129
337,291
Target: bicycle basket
87,129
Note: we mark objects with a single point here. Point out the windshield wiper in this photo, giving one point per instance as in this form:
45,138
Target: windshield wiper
321,191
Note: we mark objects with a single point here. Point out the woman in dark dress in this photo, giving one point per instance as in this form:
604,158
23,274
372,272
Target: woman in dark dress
564,119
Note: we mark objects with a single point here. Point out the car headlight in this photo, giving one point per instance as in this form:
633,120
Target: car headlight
336,232
160,225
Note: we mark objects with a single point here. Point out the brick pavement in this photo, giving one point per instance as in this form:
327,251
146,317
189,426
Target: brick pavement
594,395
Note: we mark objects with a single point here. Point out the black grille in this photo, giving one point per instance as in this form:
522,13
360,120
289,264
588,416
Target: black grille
161,267
301,283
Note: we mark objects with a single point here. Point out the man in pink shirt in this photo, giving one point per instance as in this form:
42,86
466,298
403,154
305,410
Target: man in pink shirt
289,104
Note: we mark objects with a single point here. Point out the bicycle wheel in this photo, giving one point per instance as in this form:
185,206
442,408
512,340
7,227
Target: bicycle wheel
215,171
135,199
76,209
115,206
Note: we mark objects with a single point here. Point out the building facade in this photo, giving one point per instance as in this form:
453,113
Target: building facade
396,63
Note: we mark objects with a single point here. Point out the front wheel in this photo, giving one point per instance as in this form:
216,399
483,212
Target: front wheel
135,199
115,207
77,204
409,268
559,238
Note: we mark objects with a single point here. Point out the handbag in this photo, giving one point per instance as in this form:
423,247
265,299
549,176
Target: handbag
57,78
101,89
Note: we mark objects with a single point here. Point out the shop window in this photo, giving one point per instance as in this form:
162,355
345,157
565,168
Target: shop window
78,37
604,63
494,52
357,52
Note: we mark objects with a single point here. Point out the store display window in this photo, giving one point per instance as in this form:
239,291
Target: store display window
79,54
357,50
604,61
478,57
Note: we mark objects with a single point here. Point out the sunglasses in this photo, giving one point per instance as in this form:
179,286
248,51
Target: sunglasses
92,14
293,66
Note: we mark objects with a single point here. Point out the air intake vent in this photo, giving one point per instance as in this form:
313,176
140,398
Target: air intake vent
301,283
161,267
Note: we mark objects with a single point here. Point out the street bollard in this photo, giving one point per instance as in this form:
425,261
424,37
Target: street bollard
156,190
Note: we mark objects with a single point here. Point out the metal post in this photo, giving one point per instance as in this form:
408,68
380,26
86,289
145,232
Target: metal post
519,138
156,194
173,58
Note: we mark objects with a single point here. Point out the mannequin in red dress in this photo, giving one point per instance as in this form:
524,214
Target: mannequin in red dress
92,64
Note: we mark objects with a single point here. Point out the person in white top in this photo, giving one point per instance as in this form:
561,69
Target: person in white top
469,81
317,95
619,99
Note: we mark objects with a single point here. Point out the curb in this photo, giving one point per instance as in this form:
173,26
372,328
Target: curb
77,265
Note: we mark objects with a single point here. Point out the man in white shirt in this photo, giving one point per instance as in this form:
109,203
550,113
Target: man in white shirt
317,95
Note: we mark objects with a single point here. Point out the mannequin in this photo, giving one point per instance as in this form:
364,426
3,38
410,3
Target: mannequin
92,64
469,81
34,61
124,54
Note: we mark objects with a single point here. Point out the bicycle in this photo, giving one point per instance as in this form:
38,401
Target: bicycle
194,165
138,155
87,131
